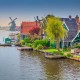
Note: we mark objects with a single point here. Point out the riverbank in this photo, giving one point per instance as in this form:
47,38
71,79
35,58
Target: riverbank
10,45
51,55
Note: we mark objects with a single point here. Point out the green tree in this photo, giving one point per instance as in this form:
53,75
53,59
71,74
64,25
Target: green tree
44,23
55,30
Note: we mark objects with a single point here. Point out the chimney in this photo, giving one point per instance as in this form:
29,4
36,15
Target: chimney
79,26
70,17
77,19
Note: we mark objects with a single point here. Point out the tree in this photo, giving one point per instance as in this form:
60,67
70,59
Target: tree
55,30
44,23
34,32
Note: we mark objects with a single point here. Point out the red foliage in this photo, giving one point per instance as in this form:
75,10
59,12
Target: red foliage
34,30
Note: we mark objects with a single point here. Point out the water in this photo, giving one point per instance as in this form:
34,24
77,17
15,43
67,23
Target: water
31,65
5,34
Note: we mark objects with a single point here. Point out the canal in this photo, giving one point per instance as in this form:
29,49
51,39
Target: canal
32,65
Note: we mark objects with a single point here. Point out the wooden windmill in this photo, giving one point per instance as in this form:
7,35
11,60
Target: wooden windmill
37,20
39,23
13,24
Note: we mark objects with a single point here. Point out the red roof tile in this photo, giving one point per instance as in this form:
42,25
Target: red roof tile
25,26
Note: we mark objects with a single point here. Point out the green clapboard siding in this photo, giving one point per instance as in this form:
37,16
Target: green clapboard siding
7,40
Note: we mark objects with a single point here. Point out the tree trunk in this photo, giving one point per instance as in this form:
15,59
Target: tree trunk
57,45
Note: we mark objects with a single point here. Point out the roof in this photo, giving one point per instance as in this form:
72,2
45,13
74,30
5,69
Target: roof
25,26
72,26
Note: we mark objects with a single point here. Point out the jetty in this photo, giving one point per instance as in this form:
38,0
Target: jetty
25,48
53,56
5,44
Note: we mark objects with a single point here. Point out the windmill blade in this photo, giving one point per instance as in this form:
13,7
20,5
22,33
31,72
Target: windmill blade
37,18
9,23
10,18
15,19
34,18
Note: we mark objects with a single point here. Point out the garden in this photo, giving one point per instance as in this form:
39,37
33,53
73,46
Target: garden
55,32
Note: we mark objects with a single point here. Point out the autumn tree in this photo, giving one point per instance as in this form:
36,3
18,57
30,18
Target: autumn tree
34,32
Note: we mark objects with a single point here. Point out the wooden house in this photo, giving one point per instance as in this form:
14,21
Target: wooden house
73,27
25,27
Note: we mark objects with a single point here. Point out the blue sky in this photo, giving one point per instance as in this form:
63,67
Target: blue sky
26,10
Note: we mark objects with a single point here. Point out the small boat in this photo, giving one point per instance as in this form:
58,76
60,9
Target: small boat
52,56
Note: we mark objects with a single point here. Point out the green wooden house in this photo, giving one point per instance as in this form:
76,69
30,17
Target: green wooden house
7,40
73,27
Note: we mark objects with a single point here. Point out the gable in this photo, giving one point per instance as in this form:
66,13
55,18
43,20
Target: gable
77,37
72,27
65,26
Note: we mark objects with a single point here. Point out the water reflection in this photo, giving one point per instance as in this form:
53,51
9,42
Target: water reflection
32,65
57,69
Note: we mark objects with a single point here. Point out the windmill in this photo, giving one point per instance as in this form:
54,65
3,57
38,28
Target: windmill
37,20
13,24
39,23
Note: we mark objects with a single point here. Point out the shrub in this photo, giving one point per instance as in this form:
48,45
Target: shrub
45,47
53,45
42,42
55,52
27,40
34,30
22,42
77,46
29,44
69,55
61,53
39,47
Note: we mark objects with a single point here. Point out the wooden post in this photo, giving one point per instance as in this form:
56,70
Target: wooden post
71,44
67,44
63,45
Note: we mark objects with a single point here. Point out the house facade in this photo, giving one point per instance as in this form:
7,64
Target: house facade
25,27
73,27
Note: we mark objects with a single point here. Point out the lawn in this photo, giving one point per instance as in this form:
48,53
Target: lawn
50,50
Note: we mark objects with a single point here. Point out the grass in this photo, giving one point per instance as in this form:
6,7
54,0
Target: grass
63,53
66,50
76,56
50,50
54,51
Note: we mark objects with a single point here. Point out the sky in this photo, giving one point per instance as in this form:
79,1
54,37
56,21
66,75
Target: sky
26,10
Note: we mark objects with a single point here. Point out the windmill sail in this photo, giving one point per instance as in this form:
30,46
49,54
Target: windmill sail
13,24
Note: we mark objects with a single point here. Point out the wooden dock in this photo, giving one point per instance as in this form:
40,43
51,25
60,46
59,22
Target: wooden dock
5,44
53,56
25,48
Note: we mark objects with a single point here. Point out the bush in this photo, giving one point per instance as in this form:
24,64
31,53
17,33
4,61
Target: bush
69,55
77,46
56,52
29,44
53,45
22,42
27,40
45,47
39,47
42,42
